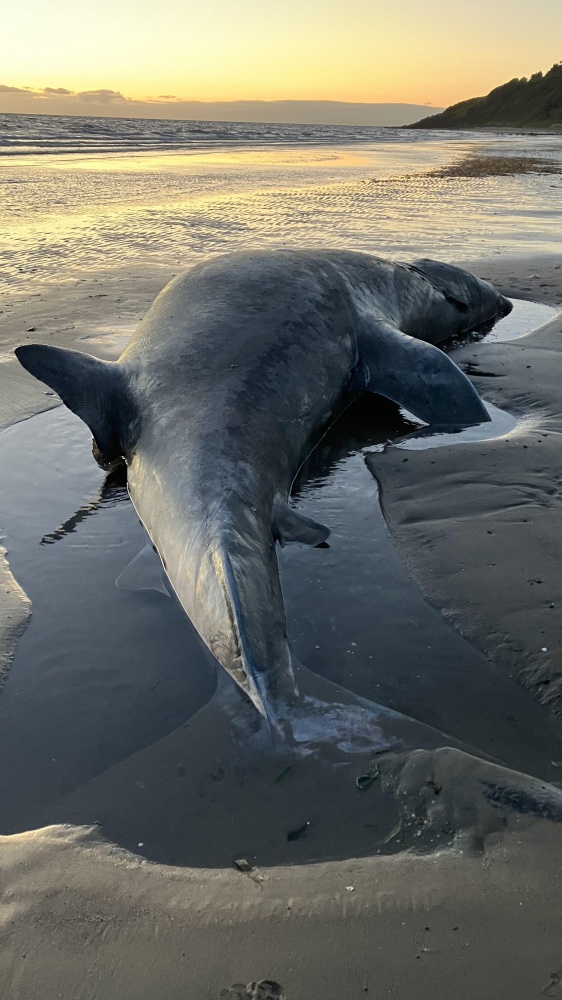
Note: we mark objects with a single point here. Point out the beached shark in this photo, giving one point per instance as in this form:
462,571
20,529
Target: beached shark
227,385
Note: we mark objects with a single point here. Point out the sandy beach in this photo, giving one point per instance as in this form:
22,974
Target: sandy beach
429,871
479,906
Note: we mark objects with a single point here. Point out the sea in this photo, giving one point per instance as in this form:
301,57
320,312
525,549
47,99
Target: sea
97,194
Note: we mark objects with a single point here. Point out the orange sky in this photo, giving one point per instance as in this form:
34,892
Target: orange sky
440,51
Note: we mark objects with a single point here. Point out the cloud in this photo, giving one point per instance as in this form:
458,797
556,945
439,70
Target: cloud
101,96
163,98
13,90
106,103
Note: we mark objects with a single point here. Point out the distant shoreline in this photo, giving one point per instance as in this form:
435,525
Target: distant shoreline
308,113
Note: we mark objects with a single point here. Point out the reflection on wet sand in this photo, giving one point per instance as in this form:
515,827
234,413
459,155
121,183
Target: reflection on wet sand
113,491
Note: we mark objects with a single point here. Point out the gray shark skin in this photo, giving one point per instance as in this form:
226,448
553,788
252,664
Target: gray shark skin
223,391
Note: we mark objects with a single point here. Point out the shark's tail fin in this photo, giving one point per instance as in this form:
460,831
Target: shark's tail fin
95,390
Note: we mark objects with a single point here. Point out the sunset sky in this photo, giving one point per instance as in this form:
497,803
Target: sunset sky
440,51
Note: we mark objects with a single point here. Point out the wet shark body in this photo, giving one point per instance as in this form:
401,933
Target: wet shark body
225,388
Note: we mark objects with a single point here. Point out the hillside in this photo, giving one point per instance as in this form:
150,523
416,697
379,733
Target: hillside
522,103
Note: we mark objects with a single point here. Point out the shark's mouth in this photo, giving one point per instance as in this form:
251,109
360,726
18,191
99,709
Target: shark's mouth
485,327
475,333
481,329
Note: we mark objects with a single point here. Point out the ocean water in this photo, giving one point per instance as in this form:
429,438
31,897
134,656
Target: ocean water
30,135
80,194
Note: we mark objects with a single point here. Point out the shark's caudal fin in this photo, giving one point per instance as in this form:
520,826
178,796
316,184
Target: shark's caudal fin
91,388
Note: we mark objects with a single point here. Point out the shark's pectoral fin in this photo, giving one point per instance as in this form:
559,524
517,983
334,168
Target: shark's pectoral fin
419,377
290,526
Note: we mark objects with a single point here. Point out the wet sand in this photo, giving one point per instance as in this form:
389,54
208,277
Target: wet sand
440,879
103,672
87,313
82,919
481,525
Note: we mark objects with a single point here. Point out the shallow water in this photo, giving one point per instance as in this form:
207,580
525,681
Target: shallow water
89,212
500,425
524,317
62,135
102,671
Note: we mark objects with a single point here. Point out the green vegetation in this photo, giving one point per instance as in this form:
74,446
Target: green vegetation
526,103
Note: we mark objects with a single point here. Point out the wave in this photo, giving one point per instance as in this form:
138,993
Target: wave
32,135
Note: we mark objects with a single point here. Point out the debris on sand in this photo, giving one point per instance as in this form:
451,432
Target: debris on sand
498,166
246,868
243,866
365,781
265,989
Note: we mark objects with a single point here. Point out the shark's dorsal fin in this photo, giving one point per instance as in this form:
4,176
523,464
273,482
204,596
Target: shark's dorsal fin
91,388
419,377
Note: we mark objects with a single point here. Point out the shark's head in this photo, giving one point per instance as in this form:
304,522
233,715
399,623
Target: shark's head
467,303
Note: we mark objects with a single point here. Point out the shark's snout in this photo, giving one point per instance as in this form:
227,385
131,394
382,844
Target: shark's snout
505,307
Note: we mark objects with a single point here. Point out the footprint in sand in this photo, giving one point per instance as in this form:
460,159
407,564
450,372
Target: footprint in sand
265,989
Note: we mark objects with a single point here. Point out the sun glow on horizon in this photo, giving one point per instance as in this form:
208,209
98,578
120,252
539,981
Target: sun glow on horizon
318,50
